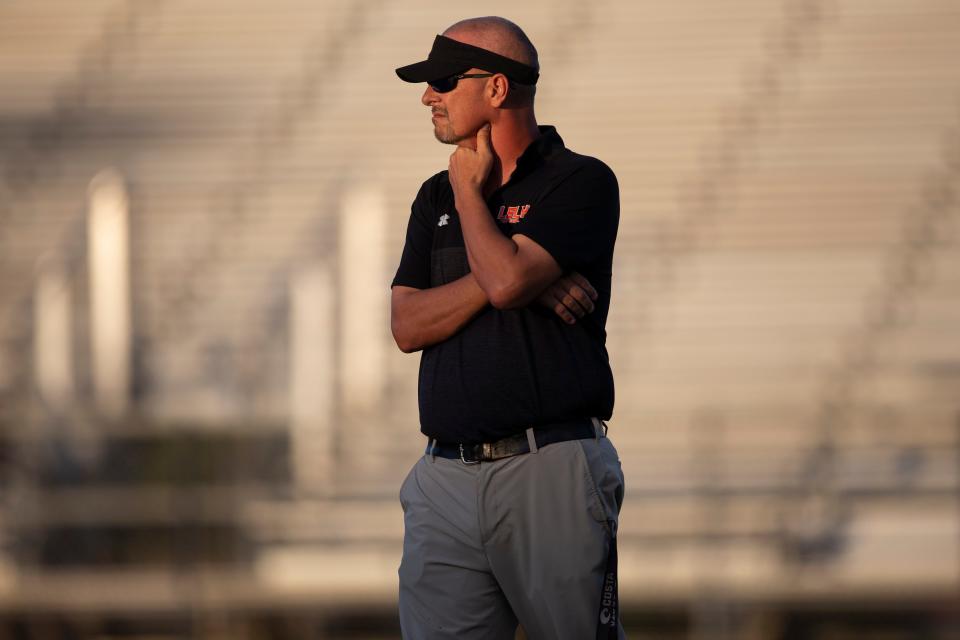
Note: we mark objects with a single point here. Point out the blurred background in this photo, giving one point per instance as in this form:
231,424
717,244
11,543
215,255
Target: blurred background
204,421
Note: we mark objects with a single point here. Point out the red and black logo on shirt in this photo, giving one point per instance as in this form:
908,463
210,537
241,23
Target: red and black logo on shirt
513,214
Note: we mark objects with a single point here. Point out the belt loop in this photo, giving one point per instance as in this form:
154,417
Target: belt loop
531,440
433,447
597,428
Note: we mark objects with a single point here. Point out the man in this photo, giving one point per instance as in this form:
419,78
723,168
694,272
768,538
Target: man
511,514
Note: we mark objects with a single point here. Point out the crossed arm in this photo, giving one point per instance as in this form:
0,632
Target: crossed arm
423,317
507,272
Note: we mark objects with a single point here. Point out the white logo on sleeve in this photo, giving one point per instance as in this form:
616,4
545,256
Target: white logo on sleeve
444,220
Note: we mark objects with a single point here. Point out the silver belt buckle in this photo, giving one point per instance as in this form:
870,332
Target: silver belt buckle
465,461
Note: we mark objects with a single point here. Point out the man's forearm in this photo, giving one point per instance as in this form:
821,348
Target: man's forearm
423,317
489,252
511,271
509,278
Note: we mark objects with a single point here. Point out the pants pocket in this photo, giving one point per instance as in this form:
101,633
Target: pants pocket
605,479
404,485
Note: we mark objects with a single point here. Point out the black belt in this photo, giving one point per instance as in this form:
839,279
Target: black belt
516,444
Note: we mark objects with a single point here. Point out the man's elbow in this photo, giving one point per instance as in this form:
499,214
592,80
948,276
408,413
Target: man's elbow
405,341
405,345
508,297
520,285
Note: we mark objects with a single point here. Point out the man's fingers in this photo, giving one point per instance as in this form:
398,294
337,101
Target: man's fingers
550,300
584,284
483,138
578,308
576,293
564,314
568,299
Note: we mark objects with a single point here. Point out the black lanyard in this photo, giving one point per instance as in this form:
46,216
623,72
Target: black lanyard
609,606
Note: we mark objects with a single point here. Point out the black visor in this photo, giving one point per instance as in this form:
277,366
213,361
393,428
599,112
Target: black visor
449,57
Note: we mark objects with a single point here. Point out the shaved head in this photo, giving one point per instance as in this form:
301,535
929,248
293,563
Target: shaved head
498,35
501,36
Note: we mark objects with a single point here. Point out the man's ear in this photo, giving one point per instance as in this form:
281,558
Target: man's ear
499,88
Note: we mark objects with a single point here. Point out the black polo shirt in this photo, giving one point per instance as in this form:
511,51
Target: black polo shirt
507,370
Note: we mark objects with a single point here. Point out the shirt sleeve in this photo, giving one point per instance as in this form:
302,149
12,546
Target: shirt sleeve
414,269
576,219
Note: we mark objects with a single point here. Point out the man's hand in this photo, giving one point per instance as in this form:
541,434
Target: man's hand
470,168
571,296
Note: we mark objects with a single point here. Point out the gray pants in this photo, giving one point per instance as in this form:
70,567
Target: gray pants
522,539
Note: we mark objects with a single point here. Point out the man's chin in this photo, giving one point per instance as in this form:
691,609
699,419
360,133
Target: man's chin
445,139
447,136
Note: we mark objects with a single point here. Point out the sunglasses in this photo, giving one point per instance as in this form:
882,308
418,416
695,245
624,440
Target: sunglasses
443,85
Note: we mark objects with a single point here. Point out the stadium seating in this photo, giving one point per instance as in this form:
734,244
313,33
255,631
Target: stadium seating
784,326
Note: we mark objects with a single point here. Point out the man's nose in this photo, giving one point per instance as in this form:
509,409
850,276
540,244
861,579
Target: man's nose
429,96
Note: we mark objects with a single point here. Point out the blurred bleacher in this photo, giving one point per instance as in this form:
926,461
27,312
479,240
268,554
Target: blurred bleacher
785,326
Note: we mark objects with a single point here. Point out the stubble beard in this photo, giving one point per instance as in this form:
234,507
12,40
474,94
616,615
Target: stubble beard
446,133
